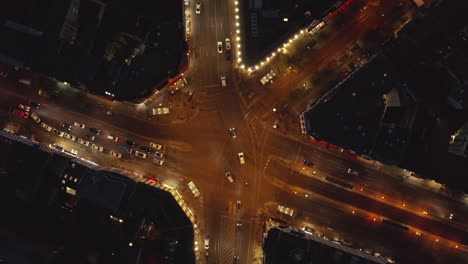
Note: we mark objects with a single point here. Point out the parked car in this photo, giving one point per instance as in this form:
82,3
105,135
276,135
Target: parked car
207,243
130,143
58,132
146,149
69,136
220,47
24,107
351,171
96,147
83,142
90,137
198,8
20,113
116,154
159,154
46,127
159,162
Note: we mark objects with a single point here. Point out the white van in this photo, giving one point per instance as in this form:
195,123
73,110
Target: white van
223,81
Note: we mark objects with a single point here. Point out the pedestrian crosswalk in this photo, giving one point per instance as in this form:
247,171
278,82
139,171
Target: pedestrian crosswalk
227,241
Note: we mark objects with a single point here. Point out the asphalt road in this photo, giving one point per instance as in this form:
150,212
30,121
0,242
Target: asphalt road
200,148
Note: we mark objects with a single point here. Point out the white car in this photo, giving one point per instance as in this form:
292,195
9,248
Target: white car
116,154
228,43
35,118
186,2
96,147
198,8
207,243
83,142
46,127
241,157
114,138
285,210
159,155
24,107
155,146
80,125
229,177
140,154
220,47
159,162
68,136
223,81
58,132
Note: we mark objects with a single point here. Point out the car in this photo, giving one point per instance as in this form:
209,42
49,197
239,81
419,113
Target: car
90,137
238,204
80,125
68,136
228,43
197,8
241,157
223,81
130,143
228,55
353,172
94,130
155,146
34,104
146,149
46,127
308,163
116,154
207,243
140,154
236,260
232,131
159,154
220,47
159,162
35,118
285,210
20,113
186,2
58,132
96,147
229,176
83,142
238,226
24,107
66,126
114,138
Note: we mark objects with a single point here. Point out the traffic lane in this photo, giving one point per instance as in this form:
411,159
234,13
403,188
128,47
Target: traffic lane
356,200
335,221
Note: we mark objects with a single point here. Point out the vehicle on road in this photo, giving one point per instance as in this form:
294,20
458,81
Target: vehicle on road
198,8
285,210
232,131
35,118
58,132
241,157
196,193
220,47
159,162
268,77
80,125
236,260
159,154
228,55
113,138
83,142
90,137
130,143
66,126
34,104
238,204
353,172
140,154
116,154
96,147
223,81
308,163
46,127
238,226
207,243
228,43
69,136
94,130
125,149
20,113
229,177
146,149
24,107
155,146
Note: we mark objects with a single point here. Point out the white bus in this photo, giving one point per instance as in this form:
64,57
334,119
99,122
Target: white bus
194,189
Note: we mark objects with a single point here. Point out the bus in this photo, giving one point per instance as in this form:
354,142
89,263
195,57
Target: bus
196,193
